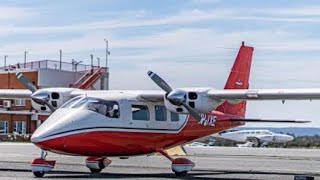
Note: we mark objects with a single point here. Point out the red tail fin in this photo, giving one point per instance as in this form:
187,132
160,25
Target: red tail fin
238,79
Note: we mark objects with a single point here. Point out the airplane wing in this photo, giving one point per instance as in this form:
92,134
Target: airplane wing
153,96
14,93
268,120
265,94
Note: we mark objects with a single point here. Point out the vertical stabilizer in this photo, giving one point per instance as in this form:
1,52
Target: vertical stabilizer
238,79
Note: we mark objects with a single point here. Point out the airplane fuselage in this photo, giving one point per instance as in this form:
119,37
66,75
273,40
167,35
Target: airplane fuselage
85,127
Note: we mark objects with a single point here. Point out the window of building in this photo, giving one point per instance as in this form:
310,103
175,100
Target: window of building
140,112
4,127
20,102
174,116
20,127
161,113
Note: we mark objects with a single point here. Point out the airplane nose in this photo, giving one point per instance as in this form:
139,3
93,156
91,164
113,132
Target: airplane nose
35,138
57,121
289,138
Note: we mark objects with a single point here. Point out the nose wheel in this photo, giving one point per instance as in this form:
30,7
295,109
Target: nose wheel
40,166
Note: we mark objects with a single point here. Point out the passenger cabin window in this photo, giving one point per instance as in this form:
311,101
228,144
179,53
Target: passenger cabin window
174,117
161,113
140,112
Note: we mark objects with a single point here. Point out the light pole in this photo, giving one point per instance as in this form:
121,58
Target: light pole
91,56
98,62
25,59
107,51
5,61
60,64
76,65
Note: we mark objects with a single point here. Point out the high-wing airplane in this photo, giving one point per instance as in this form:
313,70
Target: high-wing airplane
101,124
258,138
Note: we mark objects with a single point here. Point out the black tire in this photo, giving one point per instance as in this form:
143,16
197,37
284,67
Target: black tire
95,171
181,174
38,174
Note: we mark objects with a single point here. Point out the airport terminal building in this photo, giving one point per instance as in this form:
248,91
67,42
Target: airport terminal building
17,117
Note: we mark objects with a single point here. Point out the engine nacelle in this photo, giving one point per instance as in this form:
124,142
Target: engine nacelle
57,97
197,99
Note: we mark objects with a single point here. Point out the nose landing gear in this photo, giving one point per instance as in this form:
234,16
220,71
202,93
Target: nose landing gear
40,166
96,164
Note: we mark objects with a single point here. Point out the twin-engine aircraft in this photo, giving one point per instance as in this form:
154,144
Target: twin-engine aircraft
256,138
101,124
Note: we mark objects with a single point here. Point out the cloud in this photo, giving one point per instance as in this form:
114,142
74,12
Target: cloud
140,18
15,13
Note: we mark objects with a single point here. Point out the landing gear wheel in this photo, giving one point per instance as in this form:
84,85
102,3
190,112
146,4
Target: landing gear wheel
95,171
38,174
181,174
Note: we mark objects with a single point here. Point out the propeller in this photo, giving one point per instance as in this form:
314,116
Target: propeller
38,96
176,97
26,82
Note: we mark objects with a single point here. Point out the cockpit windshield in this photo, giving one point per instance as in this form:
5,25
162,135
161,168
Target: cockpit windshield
104,107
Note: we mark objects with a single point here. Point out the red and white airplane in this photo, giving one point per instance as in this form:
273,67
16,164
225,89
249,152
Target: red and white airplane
101,124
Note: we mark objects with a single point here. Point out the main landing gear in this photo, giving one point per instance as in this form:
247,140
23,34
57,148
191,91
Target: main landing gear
180,166
96,164
40,165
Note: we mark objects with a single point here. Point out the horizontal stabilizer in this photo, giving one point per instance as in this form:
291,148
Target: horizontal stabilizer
268,120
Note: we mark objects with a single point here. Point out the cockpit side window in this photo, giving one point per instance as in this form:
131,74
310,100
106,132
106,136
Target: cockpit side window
106,108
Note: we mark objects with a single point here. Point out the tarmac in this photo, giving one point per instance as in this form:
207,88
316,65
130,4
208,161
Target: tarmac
211,163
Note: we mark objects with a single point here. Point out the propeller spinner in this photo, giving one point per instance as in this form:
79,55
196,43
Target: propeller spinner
176,97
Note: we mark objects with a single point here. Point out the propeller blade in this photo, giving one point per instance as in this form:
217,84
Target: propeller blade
193,112
26,82
50,106
159,81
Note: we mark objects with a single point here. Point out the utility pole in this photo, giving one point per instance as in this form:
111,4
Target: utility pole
5,61
98,62
91,56
107,51
25,59
60,52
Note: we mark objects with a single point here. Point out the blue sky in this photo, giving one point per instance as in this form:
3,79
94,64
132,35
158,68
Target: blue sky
188,42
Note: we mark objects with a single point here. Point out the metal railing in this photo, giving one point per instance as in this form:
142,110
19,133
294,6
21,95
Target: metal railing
50,64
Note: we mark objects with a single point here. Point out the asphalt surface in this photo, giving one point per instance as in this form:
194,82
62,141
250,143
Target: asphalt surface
211,163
